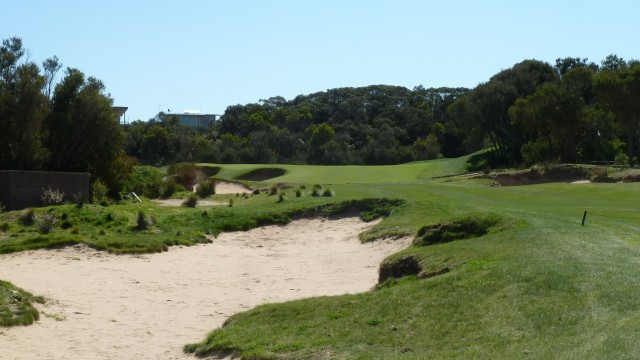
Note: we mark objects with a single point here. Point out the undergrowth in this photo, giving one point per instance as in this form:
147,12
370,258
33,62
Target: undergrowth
16,306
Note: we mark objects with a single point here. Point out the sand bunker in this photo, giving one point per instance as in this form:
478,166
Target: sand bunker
178,202
224,187
105,306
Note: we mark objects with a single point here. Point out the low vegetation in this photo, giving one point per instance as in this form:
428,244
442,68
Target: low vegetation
16,305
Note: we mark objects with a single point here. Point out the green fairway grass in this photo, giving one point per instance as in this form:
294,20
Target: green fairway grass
542,287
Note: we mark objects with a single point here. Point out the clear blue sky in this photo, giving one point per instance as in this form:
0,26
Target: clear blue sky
208,55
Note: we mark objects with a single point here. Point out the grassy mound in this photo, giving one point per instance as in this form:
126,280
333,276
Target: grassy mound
458,229
16,305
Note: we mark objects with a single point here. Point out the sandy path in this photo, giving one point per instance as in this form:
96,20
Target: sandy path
148,307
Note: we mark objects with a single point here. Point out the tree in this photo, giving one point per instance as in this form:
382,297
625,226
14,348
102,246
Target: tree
157,148
51,66
22,109
617,88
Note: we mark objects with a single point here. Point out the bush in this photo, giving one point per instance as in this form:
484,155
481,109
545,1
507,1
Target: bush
327,192
281,197
4,226
99,191
168,188
298,193
230,202
143,222
273,190
45,222
79,200
206,188
26,218
191,201
52,197
145,181
621,159
186,174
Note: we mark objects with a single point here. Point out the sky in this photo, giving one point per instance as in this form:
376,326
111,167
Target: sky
207,55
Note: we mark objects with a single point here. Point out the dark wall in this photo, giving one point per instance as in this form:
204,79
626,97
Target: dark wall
23,189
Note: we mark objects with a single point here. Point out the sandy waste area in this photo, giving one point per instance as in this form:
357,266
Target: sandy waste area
222,187
103,306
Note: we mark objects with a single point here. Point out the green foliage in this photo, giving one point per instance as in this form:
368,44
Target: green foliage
99,192
142,221
206,188
16,305
191,201
169,187
146,181
26,218
45,222
79,200
458,229
621,159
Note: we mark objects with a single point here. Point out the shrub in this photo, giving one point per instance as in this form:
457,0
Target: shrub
273,190
621,159
79,200
52,197
206,188
4,226
168,188
26,218
191,201
327,192
186,174
281,197
142,222
316,190
298,193
145,181
45,222
99,191
230,202
256,192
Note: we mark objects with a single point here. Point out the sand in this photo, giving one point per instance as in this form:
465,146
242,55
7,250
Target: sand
104,306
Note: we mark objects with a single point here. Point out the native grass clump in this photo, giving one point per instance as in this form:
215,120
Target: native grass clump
16,305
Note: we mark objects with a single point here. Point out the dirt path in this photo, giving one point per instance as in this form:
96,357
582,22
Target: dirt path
105,306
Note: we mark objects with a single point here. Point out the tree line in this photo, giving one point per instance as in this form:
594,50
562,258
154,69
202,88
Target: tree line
573,111
377,124
67,125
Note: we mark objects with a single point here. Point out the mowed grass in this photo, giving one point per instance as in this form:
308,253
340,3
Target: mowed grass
348,174
542,287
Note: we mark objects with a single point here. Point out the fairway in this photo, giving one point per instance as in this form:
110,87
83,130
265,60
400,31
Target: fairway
351,174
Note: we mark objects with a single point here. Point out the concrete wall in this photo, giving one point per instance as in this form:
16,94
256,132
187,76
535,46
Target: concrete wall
23,189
